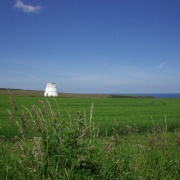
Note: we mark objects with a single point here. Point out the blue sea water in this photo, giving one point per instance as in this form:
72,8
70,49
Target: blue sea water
154,95
175,95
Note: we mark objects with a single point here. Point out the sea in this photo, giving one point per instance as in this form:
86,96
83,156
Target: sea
154,95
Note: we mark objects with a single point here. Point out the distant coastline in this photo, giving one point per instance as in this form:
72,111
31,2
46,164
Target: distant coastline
152,95
23,92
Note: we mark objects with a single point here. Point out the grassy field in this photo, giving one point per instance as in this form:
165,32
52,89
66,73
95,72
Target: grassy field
145,113
78,136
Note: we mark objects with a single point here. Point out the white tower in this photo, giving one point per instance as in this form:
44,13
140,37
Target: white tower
51,89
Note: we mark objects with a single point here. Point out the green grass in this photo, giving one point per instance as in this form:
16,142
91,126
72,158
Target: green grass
64,141
145,113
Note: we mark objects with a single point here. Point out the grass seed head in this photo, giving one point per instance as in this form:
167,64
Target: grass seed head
24,119
84,132
115,136
21,131
13,104
14,139
178,141
107,147
32,110
11,118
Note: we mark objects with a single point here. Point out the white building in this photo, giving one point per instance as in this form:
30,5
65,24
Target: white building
51,89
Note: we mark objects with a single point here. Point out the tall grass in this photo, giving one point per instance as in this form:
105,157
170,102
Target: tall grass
46,145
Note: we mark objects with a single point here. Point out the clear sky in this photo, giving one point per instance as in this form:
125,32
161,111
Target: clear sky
90,46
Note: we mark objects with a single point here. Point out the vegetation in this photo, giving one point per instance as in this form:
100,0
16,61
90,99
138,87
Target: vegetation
145,113
89,138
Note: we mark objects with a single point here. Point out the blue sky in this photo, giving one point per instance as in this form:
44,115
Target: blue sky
90,46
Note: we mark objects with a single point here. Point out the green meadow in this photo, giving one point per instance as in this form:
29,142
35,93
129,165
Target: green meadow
89,137
145,113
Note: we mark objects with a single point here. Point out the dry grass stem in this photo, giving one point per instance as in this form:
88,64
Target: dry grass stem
91,113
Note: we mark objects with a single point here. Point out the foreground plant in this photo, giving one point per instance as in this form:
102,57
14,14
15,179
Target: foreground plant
49,147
